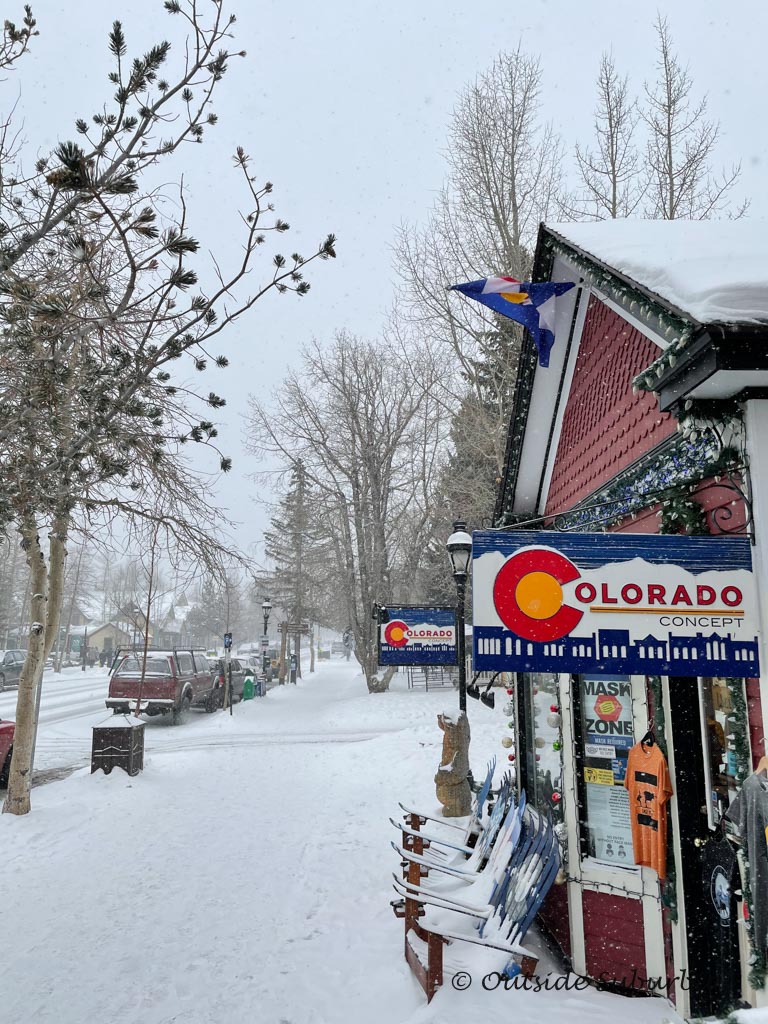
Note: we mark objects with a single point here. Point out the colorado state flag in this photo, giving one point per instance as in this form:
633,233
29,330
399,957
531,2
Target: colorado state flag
532,305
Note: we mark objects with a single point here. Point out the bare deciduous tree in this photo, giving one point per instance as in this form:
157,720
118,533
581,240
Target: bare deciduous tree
505,176
612,173
681,144
366,435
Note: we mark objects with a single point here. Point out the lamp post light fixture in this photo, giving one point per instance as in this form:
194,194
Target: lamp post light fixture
459,546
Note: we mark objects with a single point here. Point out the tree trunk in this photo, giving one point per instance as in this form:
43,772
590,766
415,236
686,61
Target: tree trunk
311,652
20,782
64,647
376,685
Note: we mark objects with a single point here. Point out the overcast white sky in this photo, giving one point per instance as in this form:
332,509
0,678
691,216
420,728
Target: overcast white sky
344,106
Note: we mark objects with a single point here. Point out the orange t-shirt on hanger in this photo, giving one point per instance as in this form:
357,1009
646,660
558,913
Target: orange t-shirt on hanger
647,781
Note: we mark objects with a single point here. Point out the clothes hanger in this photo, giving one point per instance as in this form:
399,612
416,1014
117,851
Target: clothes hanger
762,766
649,739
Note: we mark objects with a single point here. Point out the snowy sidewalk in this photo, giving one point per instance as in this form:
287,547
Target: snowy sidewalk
244,877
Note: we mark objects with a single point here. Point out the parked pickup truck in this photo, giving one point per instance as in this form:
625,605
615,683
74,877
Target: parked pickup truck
174,681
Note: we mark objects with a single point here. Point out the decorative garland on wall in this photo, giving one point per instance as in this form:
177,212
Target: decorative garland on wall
739,743
667,479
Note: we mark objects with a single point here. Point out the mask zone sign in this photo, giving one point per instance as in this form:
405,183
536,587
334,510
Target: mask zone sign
614,603
418,636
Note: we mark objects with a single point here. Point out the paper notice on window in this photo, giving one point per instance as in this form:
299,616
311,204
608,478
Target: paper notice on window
598,750
608,821
599,776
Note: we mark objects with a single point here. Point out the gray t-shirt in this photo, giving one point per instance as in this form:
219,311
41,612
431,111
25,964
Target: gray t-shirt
749,812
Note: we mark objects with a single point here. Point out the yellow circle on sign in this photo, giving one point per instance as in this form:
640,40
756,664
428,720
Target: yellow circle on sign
396,634
539,595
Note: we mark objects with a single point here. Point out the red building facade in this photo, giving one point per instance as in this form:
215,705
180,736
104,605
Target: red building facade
590,449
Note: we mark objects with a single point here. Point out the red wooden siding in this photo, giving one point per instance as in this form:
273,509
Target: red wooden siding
554,916
605,426
614,939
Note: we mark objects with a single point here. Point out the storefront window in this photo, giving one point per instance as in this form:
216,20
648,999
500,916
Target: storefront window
541,745
720,757
606,734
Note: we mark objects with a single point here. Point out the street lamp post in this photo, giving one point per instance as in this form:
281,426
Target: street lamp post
459,546
453,778
266,608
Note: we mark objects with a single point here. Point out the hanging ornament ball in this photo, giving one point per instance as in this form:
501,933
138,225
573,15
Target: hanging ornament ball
554,707
510,725
538,757
539,742
510,757
557,745
556,798
535,690
510,692
553,720
507,741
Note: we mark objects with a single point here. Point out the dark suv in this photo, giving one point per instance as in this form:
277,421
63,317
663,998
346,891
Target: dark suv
11,663
174,681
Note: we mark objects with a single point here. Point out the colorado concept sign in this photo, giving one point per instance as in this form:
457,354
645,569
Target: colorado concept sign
418,635
604,603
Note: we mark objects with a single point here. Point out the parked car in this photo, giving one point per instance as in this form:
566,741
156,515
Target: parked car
174,682
7,730
10,667
252,664
239,672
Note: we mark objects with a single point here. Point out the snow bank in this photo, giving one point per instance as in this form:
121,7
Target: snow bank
712,270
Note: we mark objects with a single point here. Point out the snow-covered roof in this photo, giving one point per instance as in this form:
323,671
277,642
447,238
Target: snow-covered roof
716,271
94,627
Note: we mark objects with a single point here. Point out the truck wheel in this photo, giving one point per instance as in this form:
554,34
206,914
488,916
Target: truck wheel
181,714
2,682
212,702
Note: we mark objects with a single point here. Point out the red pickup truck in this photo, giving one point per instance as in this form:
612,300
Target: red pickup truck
174,681
7,730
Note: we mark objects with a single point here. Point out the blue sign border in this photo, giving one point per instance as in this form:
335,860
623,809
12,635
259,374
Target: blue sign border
498,649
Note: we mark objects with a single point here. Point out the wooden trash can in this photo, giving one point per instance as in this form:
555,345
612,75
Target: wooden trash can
118,743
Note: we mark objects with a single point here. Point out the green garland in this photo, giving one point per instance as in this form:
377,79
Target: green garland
758,967
681,513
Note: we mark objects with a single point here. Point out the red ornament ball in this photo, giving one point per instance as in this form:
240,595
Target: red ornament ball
510,757
553,707
510,692
556,798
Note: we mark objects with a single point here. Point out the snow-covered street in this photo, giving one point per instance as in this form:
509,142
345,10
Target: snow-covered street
71,702
245,875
